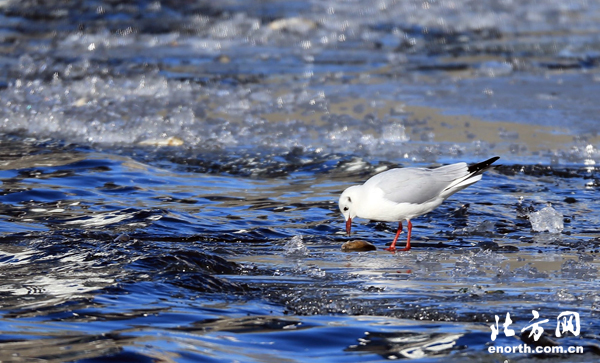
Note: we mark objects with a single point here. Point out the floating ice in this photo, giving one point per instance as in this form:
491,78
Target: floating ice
169,141
295,247
564,295
479,228
578,270
529,271
297,25
495,68
596,304
316,272
547,219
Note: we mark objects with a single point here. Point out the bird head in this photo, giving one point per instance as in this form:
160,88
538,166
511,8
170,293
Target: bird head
346,204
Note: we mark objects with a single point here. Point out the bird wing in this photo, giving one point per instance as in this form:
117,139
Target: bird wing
419,185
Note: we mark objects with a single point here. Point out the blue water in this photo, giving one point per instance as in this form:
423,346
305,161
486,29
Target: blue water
170,176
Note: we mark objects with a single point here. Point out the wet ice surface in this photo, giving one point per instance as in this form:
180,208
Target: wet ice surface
547,219
246,74
170,176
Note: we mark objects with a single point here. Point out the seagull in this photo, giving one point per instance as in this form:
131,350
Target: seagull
406,193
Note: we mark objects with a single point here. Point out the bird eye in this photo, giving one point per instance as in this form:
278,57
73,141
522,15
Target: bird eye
345,209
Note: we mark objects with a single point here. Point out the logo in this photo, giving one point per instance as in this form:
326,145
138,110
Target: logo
566,322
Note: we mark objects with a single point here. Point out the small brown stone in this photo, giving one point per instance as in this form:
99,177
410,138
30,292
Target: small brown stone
358,245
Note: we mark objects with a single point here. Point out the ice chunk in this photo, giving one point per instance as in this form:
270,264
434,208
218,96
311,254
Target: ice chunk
316,272
495,69
547,219
530,271
578,270
596,304
295,248
480,228
169,141
564,295
296,25
394,132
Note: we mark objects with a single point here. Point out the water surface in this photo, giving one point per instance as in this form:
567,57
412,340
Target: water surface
170,175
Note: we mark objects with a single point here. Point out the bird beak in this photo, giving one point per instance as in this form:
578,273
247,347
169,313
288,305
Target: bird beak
348,225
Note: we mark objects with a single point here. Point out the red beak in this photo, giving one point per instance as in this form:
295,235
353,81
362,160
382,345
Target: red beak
348,225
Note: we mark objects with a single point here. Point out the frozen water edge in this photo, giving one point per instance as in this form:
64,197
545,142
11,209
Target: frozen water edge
339,83
156,111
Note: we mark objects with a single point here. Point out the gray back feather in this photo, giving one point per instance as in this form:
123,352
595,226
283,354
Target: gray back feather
417,185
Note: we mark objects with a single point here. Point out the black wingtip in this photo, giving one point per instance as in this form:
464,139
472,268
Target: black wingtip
482,166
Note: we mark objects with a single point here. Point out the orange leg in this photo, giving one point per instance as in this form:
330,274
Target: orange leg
408,237
392,247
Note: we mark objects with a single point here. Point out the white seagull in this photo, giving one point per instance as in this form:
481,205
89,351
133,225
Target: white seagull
406,193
